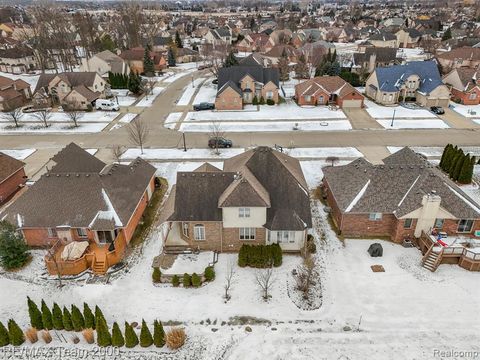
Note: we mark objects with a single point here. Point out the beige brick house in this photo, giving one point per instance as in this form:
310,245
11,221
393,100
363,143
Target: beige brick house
239,85
260,197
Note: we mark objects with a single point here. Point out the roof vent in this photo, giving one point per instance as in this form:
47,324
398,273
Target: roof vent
77,175
87,175
58,175
203,175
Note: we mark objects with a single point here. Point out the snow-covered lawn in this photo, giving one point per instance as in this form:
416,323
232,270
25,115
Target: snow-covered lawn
324,152
207,93
190,263
188,92
413,124
185,71
172,120
469,111
406,310
31,79
289,111
435,152
386,112
128,117
20,154
312,170
166,154
53,128
168,170
266,126
148,100
413,54
60,116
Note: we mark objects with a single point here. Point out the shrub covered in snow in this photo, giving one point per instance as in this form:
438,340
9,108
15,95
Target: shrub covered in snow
187,280
196,281
175,281
156,275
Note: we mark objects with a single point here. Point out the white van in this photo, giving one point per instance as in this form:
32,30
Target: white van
104,104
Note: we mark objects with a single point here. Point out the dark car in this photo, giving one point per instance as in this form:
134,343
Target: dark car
437,110
203,106
215,81
220,142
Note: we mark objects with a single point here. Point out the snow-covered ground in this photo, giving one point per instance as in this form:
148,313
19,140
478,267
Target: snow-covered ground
386,112
469,111
413,124
20,154
185,71
190,263
31,79
60,116
166,154
38,128
148,100
289,111
321,153
266,126
435,152
172,120
188,92
406,312
207,93
128,117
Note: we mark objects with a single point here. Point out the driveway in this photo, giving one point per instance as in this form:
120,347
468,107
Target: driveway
361,119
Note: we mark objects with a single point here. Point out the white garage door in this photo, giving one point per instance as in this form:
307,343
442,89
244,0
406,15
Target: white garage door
352,103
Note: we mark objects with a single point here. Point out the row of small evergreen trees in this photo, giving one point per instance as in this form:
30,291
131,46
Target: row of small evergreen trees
75,320
118,81
260,256
457,164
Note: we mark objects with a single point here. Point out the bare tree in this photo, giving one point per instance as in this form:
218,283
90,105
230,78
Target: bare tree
214,56
305,274
44,115
138,133
332,159
51,254
265,281
13,114
230,273
117,151
147,86
73,113
216,133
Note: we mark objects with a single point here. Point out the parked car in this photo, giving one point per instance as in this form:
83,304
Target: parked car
204,66
104,104
203,106
220,143
215,81
437,110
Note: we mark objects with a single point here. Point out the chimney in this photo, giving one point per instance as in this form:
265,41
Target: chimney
428,212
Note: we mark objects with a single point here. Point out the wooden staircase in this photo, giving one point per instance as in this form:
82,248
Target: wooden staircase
100,265
431,260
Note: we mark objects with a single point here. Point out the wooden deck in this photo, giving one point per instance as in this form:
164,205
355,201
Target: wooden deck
96,257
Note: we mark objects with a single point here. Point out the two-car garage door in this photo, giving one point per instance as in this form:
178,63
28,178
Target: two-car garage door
352,103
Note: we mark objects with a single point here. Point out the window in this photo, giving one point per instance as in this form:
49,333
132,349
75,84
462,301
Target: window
270,95
52,233
375,216
390,97
407,224
320,100
308,98
464,226
244,212
285,237
473,96
185,229
438,223
199,232
384,97
82,232
247,233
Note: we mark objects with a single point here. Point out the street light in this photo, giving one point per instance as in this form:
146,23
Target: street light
393,117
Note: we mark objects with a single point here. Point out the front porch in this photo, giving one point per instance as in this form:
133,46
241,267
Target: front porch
464,251
97,256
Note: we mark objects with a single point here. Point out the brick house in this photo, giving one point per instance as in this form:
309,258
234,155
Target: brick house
324,90
260,197
417,81
12,176
83,200
464,85
239,85
79,89
134,59
13,93
404,197
17,60
105,62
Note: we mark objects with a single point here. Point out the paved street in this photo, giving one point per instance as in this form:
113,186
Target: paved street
365,134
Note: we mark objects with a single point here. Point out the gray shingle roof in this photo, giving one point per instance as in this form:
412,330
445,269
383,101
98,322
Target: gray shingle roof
395,187
236,73
391,78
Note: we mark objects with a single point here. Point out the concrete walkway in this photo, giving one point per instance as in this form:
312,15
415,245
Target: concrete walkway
374,154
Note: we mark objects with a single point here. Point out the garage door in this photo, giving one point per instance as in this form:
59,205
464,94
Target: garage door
352,103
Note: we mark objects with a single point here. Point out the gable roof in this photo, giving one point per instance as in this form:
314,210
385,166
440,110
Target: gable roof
73,79
237,73
391,78
8,166
382,54
75,193
396,187
329,84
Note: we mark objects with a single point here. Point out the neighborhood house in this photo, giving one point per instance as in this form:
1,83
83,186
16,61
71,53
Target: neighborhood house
83,210
12,176
260,197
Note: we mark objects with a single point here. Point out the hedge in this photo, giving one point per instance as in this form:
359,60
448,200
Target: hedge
260,256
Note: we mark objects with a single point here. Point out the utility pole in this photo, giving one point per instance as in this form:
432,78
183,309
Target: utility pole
393,117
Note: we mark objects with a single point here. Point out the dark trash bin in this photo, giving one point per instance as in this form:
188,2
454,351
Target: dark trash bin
375,250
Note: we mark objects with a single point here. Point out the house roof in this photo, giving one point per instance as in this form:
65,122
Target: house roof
468,77
464,53
391,78
8,166
88,94
115,61
259,177
237,73
396,187
79,192
329,84
18,52
383,36
383,55
73,79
